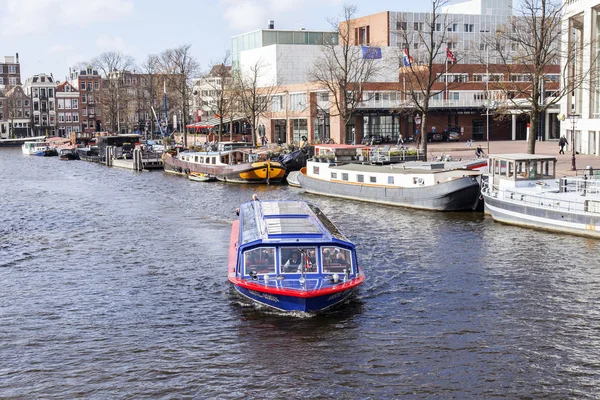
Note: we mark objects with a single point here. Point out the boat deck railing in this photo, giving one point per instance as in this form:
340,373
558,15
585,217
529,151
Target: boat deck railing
577,186
389,154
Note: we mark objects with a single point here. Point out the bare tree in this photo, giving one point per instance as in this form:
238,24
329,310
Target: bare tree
253,97
112,65
528,47
342,69
219,82
150,83
419,75
180,68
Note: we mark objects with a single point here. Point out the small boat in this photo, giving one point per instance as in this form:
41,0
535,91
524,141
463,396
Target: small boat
68,153
200,177
522,189
37,148
292,179
289,256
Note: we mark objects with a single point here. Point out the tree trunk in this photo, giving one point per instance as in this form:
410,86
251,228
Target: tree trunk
423,136
220,126
533,127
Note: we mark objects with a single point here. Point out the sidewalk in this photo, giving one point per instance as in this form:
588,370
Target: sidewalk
550,148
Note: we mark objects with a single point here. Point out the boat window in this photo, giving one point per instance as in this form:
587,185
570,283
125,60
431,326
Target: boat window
390,180
294,258
213,160
202,160
336,259
260,260
315,170
373,179
196,159
360,178
334,175
344,176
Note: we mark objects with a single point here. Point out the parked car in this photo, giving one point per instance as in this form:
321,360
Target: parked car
435,136
373,139
453,136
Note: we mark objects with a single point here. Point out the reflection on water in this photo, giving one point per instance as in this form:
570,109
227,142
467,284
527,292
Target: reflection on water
114,285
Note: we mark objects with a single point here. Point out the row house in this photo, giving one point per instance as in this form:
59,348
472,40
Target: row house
41,88
69,112
89,84
10,72
16,106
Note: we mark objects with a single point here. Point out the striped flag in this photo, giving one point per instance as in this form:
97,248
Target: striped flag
407,60
450,54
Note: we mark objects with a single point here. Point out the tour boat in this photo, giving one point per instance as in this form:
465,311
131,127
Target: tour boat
38,148
522,189
226,164
421,185
289,256
200,177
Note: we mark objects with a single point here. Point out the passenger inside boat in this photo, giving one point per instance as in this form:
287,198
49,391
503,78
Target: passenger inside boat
292,259
259,260
335,259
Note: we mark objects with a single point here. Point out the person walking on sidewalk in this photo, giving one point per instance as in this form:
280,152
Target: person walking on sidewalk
561,143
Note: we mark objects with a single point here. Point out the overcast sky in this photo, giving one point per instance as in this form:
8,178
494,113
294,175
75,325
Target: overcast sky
52,35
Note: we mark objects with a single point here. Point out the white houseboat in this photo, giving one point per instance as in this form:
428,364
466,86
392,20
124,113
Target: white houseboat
522,189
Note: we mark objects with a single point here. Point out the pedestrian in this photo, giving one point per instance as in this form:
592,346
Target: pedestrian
400,140
479,152
561,143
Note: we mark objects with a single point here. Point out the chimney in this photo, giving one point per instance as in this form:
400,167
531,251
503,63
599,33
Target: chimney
271,24
17,58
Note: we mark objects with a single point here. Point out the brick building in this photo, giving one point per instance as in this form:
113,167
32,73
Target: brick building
89,84
69,112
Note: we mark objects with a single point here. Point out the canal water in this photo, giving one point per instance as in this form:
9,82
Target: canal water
114,286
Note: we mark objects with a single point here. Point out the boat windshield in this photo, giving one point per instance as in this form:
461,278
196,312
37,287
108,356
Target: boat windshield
293,258
260,260
336,259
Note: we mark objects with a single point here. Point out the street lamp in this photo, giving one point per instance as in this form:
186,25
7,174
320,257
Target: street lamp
573,117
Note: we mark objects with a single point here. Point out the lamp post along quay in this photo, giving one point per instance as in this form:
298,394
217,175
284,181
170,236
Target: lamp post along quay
573,118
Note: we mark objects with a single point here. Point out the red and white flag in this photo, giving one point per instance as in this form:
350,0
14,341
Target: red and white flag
450,54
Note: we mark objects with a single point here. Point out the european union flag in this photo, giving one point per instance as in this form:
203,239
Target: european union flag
371,53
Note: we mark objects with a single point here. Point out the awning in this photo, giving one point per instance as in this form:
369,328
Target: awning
210,123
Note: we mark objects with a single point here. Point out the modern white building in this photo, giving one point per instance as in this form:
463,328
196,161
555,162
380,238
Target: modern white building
581,27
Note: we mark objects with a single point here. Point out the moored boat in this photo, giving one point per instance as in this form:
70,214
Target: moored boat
37,148
422,185
234,165
292,179
289,256
522,189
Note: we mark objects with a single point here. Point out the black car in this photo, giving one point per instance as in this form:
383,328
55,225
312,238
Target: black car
435,136
373,139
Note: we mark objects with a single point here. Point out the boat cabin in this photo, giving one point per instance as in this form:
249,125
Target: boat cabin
517,170
289,239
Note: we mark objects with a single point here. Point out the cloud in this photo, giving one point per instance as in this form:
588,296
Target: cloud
60,48
23,17
111,43
245,15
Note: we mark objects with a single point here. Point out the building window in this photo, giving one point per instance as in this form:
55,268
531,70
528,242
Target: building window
278,103
75,117
61,117
418,26
12,69
83,98
468,27
401,26
12,81
96,85
61,104
75,103
453,28
82,86
298,101
84,112
1,78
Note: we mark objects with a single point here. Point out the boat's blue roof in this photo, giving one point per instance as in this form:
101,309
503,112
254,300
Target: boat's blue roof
286,222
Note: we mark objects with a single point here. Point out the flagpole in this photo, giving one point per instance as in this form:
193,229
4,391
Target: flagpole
446,62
